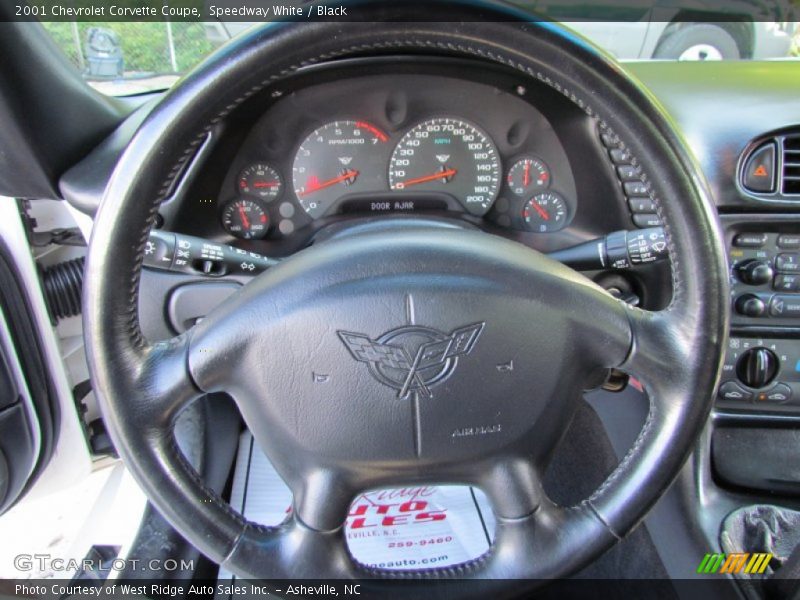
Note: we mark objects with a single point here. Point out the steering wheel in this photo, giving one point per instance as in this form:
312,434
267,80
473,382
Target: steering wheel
505,338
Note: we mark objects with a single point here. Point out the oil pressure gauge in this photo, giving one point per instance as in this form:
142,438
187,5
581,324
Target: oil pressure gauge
260,181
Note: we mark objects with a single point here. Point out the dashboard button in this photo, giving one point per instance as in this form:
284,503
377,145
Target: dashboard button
620,156
159,250
788,262
757,367
750,240
787,283
642,205
609,141
750,305
754,272
730,390
636,188
789,241
778,394
629,173
759,170
646,220
784,307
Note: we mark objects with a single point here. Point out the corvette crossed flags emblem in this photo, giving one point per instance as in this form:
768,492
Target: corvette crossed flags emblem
413,358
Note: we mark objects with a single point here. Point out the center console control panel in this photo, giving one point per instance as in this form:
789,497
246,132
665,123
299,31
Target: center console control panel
765,278
762,362
761,374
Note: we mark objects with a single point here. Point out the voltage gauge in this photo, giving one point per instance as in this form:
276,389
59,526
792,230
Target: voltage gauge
545,212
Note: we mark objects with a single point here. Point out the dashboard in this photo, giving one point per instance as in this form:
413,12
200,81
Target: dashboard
375,139
452,140
269,152
388,144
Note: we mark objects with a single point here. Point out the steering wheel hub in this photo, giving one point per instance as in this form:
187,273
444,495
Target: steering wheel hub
412,359
406,348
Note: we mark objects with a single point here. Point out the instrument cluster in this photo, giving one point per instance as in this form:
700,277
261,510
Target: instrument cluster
309,158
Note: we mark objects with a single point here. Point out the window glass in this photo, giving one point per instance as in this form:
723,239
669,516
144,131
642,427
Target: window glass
129,58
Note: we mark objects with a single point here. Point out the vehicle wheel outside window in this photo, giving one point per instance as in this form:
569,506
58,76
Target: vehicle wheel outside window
700,41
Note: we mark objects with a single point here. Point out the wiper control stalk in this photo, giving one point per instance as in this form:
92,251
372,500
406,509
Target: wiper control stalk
618,250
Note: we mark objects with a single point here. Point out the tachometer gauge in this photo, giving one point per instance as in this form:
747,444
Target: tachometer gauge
526,175
545,212
245,219
451,156
261,181
338,159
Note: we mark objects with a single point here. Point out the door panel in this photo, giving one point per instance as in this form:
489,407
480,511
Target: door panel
28,415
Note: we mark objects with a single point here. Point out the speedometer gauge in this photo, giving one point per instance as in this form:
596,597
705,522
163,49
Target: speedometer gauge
448,155
338,159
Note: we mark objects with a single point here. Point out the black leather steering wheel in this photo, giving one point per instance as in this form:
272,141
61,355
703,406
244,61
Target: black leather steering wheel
474,301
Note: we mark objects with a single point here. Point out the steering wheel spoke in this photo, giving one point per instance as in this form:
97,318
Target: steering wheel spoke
514,487
659,342
293,549
545,544
322,499
167,386
534,538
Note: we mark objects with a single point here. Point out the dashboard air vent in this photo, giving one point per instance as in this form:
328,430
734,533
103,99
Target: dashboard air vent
791,165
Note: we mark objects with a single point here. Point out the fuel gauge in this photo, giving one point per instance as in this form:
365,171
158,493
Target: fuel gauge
527,175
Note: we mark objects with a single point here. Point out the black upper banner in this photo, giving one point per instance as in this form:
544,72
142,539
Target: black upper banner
256,11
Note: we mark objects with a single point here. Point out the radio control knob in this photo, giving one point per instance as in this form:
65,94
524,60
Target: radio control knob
750,305
755,272
757,367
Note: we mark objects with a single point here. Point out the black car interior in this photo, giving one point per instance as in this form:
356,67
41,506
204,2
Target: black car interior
609,253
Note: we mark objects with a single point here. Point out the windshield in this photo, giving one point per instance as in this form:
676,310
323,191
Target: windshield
125,58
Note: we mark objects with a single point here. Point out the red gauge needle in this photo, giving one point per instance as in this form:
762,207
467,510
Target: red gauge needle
542,212
526,174
315,187
266,184
438,175
243,215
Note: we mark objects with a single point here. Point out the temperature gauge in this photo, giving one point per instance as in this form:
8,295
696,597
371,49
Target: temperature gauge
545,212
260,181
527,175
245,219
